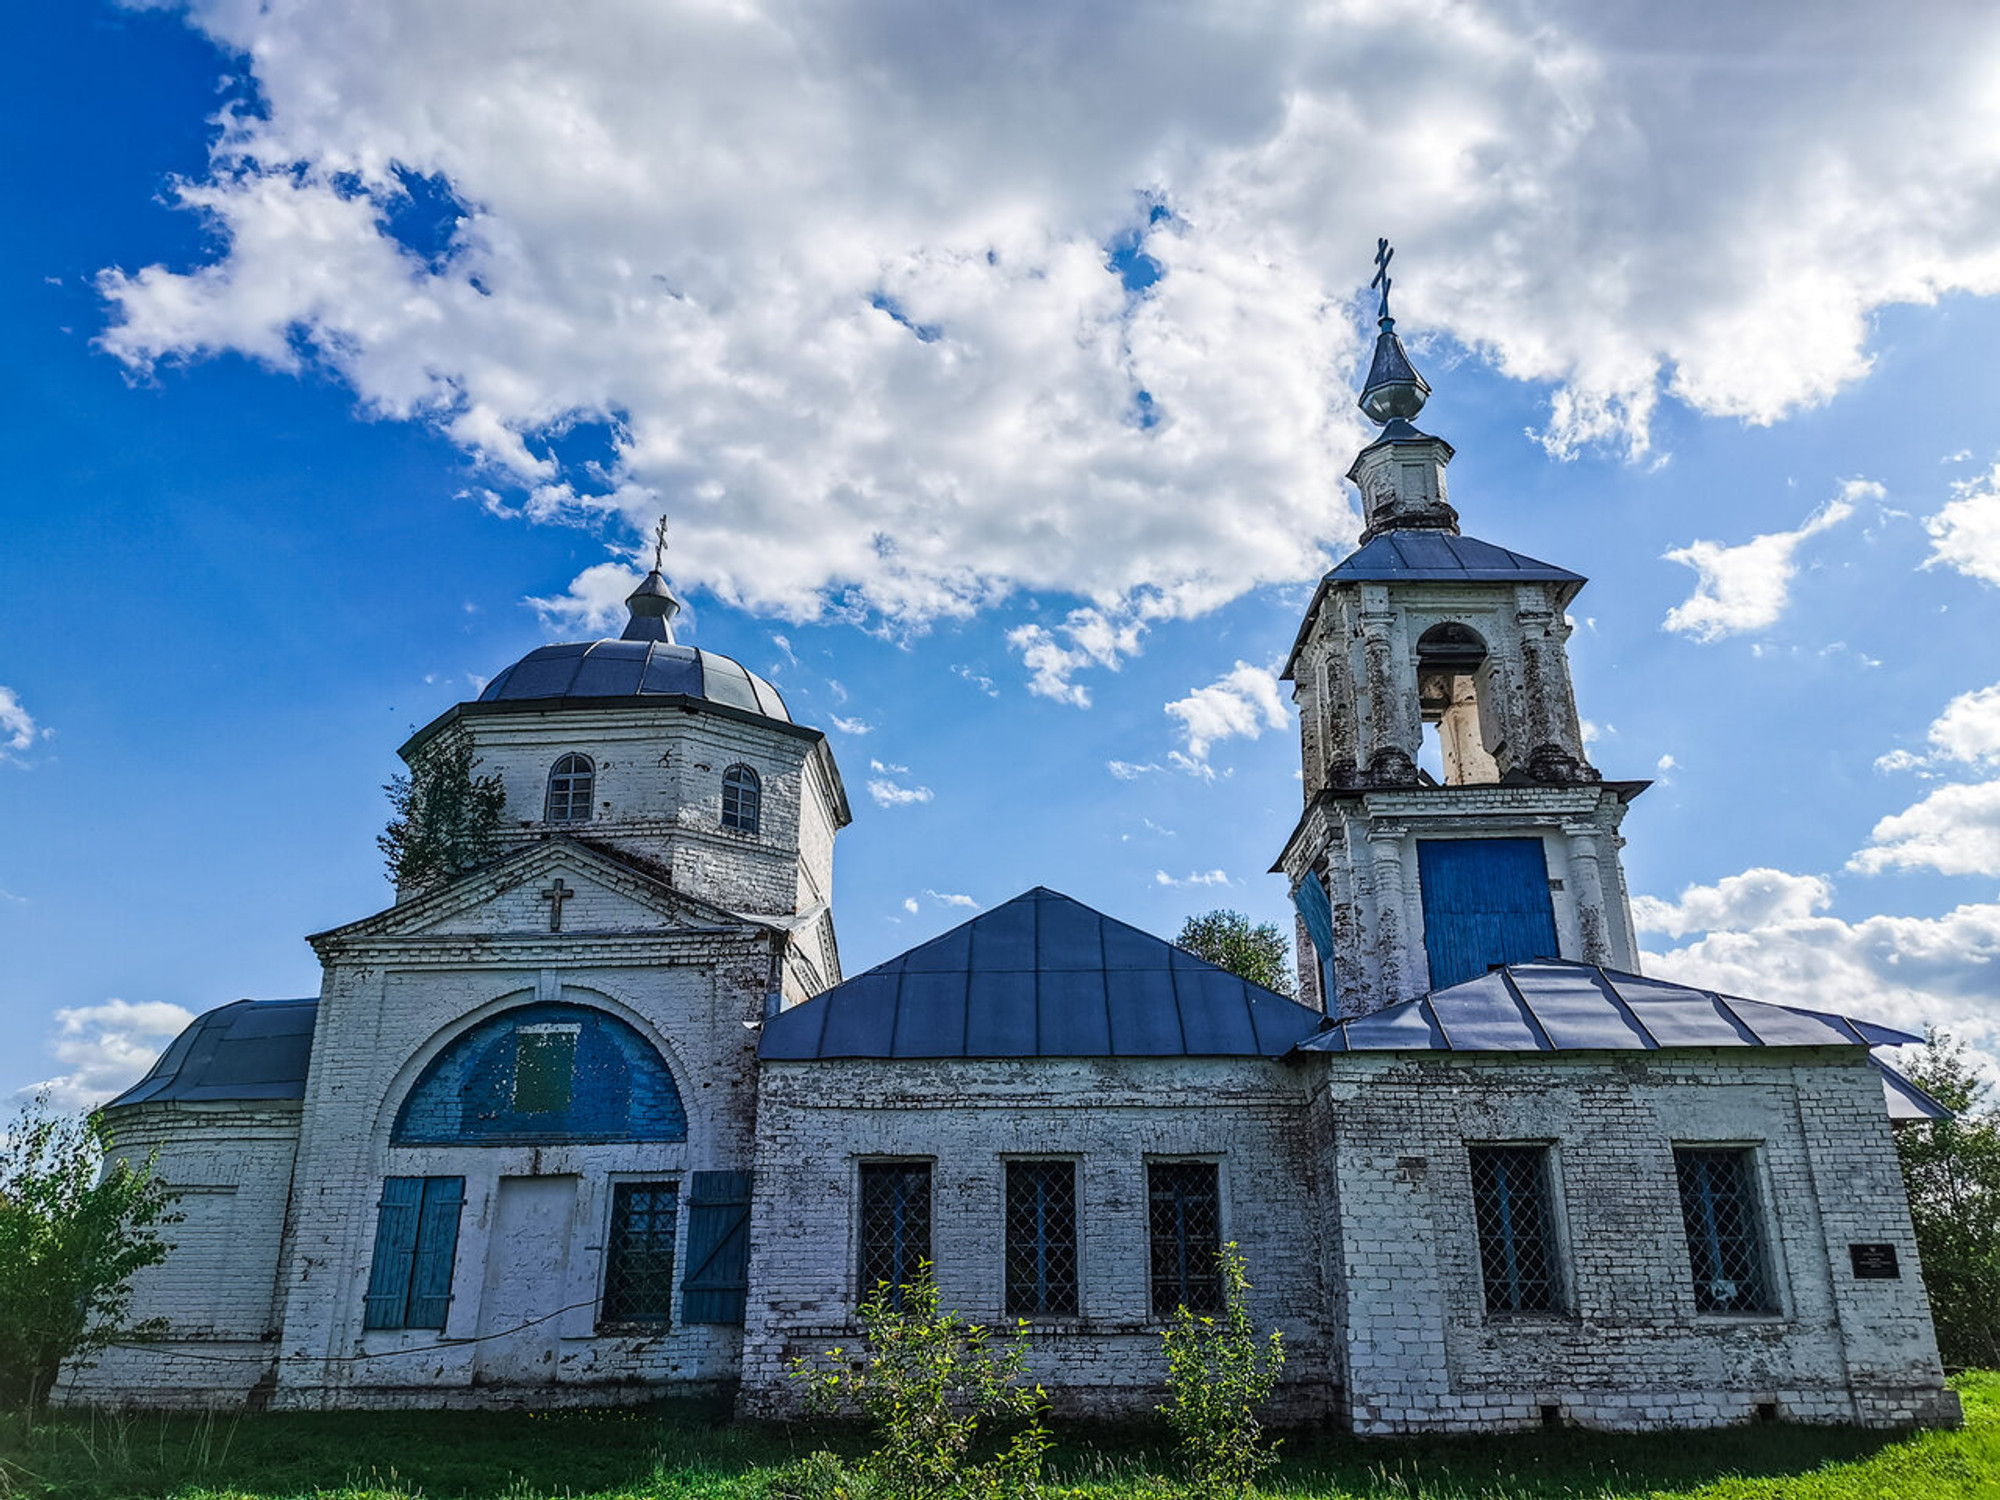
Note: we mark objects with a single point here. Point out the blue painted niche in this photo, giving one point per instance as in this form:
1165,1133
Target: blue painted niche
544,1073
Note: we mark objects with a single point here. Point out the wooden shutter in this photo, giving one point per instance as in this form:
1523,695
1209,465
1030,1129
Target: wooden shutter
1486,902
1317,912
718,1254
437,1248
395,1250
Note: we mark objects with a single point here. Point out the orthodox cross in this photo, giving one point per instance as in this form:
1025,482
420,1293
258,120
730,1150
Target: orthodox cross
555,895
660,545
1383,255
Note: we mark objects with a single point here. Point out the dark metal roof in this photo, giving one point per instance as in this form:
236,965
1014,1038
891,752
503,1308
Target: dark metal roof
1041,976
1907,1102
1553,1005
252,1049
1414,556
637,668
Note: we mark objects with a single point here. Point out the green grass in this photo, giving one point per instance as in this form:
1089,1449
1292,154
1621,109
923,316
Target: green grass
665,1454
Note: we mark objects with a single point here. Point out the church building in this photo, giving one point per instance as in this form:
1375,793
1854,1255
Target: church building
602,1119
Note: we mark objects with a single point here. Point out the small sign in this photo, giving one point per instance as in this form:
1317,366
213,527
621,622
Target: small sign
1874,1262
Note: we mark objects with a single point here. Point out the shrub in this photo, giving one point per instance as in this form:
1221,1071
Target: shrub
447,820
75,1226
927,1381
1218,1375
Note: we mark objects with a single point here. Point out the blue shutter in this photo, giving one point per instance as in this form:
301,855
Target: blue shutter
1317,913
437,1248
395,1250
718,1253
1486,902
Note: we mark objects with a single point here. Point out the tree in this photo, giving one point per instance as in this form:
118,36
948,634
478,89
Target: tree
447,819
1260,954
1218,1375
75,1225
1951,1169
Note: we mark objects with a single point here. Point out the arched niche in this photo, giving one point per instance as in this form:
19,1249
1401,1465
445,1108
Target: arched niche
549,1072
1454,684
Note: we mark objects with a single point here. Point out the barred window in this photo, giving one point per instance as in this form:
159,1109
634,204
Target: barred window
1724,1230
741,795
1515,1221
572,781
895,1222
639,1256
1184,1210
1041,1239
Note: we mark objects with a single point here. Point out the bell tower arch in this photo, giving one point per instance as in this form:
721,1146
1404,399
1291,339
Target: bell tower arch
1452,818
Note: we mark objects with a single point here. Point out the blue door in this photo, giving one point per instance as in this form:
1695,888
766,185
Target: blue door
1486,902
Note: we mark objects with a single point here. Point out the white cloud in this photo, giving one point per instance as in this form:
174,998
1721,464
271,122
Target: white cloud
1736,903
892,794
845,725
1904,971
836,278
1966,534
1197,877
910,905
1955,831
979,680
1747,587
952,898
887,768
106,1048
1126,770
1968,731
1243,701
1665,764
18,730
1095,640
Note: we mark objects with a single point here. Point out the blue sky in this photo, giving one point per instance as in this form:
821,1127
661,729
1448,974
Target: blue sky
997,375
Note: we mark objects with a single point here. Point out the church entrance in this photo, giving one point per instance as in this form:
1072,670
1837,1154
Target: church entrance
527,1272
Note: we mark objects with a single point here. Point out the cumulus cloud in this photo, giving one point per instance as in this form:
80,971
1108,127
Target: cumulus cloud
1966,534
889,793
1193,878
1736,903
1968,731
106,1048
1768,937
1094,639
845,725
1955,831
899,320
19,732
1746,587
1244,702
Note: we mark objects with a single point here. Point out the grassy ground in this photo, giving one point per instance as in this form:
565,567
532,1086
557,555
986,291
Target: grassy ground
664,1455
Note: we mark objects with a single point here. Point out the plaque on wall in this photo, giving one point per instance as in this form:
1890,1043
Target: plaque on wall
1874,1262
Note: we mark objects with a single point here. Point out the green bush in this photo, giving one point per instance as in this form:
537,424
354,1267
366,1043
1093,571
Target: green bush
927,1381
1218,1376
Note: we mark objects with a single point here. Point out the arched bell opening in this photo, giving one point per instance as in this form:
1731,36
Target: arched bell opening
1454,685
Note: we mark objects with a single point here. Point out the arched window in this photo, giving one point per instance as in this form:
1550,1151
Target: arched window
572,782
551,1071
742,796
1453,684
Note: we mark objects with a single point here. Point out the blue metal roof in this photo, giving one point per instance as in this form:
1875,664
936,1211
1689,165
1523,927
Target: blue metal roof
1553,1005
252,1049
1414,556
1907,1102
636,668
1041,976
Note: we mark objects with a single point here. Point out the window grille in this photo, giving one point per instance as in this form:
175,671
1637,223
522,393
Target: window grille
895,1223
1185,1214
416,1243
1041,1239
742,795
572,783
639,1258
1515,1222
1724,1232
544,1068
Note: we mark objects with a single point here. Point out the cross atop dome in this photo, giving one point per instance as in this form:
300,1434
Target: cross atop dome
652,603
1394,389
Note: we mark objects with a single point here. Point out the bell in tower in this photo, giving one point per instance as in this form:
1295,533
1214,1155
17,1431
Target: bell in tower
1453,821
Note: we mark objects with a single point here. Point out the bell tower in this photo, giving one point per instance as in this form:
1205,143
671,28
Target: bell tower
1452,818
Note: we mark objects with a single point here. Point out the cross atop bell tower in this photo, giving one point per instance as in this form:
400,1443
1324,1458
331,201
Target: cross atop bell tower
1453,820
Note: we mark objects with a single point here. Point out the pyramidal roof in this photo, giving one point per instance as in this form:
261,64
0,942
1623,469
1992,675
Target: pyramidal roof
1041,975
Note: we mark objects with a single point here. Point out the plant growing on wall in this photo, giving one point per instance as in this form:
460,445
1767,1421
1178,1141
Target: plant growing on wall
75,1226
1229,940
929,1383
447,819
1951,1169
1218,1375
